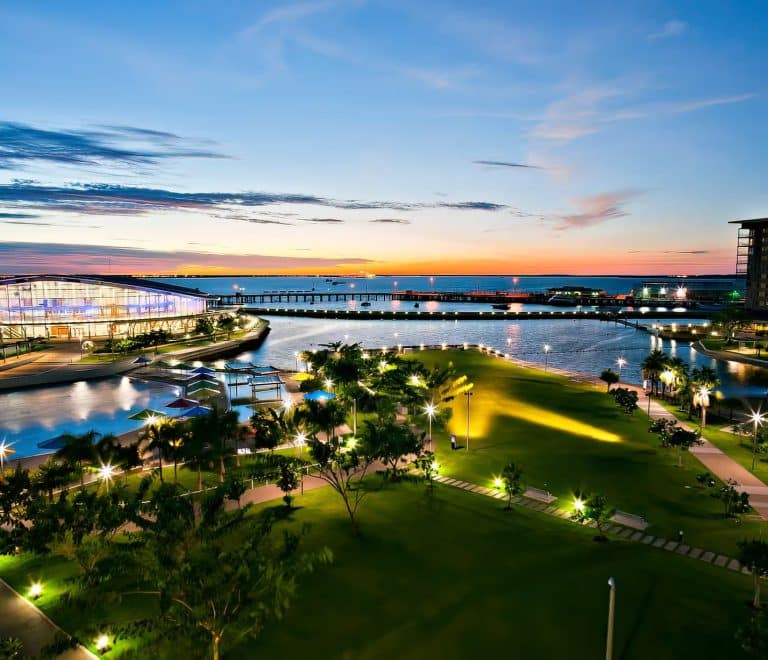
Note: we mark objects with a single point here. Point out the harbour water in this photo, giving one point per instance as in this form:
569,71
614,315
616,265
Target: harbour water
33,415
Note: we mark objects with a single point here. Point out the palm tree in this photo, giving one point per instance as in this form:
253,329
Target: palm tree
217,431
77,450
652,367
156,439
318,417
52,475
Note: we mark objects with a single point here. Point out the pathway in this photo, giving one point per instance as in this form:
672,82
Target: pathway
23,620
620,531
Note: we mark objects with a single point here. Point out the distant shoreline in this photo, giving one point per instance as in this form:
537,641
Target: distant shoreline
337,276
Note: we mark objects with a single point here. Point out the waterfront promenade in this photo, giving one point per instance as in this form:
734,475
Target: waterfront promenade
62,364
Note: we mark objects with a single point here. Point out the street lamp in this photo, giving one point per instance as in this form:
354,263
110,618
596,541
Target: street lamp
611,613
703,396
758,418
105,474
468,394
328,383
300,440
546,356
5,450
430,409
296,357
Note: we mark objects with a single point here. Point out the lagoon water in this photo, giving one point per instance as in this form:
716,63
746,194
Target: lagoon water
30,416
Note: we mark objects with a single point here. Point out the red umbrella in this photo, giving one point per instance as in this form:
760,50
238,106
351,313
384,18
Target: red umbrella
182,403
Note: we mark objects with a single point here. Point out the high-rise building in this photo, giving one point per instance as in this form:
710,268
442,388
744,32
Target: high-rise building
752,260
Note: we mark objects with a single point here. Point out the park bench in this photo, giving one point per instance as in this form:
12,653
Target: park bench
630,520
540,495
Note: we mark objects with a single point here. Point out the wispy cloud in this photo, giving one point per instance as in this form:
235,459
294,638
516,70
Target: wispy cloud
501,163
391,221
17,216
595,210
672,28
25,257
288,14
691,106
326,221
114,199
442,79
21,144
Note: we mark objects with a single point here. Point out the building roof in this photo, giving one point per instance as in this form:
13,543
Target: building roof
116,280
753,221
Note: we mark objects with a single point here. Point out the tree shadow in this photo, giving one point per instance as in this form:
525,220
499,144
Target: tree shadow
638,622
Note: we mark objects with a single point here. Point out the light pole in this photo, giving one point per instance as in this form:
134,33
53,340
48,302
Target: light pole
300,439
611,613
354,417
757,418
621,362
105,474
296,357
546,356
5,449
430,410
704,403
468,394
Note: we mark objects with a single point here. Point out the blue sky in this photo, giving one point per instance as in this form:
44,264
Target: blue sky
381,136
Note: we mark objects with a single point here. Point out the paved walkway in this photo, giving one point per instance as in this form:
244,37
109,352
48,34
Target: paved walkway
616,530
22,619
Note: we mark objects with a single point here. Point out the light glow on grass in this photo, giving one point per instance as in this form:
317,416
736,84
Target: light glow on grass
578,504
102,643
498,483
35,591
544,417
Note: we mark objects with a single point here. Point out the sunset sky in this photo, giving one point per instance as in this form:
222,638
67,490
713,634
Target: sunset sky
325,136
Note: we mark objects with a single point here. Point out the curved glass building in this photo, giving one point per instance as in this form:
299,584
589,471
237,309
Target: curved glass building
64,306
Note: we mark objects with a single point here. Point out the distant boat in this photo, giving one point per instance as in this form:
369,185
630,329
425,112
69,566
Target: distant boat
416,305
504,306
365,304
337,282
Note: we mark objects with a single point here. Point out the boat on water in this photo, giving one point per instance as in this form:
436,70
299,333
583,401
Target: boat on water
416,305
337,282
365,304
504,306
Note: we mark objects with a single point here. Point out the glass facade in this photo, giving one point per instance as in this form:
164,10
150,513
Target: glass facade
83,307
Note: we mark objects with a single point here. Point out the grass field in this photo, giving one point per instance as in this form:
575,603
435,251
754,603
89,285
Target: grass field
455,576
572,437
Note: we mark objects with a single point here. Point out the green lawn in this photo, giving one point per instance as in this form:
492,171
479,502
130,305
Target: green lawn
569,437
456,576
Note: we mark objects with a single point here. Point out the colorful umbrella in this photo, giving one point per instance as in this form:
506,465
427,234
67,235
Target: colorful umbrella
54,443
302,375
181,403
197,411
205,393
182,366
203,370
142,360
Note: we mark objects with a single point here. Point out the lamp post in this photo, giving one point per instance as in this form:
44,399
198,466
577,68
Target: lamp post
430,410
704,403
611,613
5,449
757,418
621,362
300,439
105,474
296,358
468,394
354,417
546,356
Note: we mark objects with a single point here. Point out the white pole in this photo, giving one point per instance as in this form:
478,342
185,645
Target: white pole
611,613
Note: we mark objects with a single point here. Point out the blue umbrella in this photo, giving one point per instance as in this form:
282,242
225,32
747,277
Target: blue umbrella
197,411
203,370
54,443
142,360
319,395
